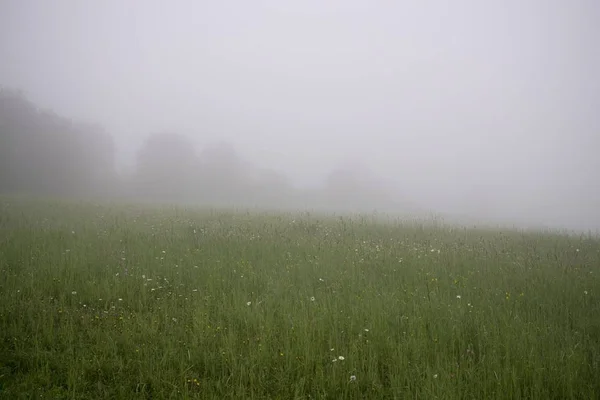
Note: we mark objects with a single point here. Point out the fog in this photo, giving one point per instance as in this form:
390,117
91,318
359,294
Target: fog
479,111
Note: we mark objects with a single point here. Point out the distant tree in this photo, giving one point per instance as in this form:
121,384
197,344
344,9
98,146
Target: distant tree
17,117
43,153
98,159
167,168
224,176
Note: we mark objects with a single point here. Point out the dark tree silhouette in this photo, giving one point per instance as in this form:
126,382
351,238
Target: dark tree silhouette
45,154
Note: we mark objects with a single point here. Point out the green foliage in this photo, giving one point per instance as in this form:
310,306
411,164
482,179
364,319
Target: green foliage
138,302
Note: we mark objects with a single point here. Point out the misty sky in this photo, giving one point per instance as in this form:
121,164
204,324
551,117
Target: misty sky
440,97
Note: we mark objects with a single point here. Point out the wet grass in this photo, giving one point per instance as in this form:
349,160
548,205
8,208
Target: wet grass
129,302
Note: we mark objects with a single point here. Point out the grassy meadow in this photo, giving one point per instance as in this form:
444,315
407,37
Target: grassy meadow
139,302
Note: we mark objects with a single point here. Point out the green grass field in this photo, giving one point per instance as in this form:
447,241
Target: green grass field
126,302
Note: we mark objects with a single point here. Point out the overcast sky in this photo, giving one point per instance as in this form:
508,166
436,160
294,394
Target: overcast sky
439,96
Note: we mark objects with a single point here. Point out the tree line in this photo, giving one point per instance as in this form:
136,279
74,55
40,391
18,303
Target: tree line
45,154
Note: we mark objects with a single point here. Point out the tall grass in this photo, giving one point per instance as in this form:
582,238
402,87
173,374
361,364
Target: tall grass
127,302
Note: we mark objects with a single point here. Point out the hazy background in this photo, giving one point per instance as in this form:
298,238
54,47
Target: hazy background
487,109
